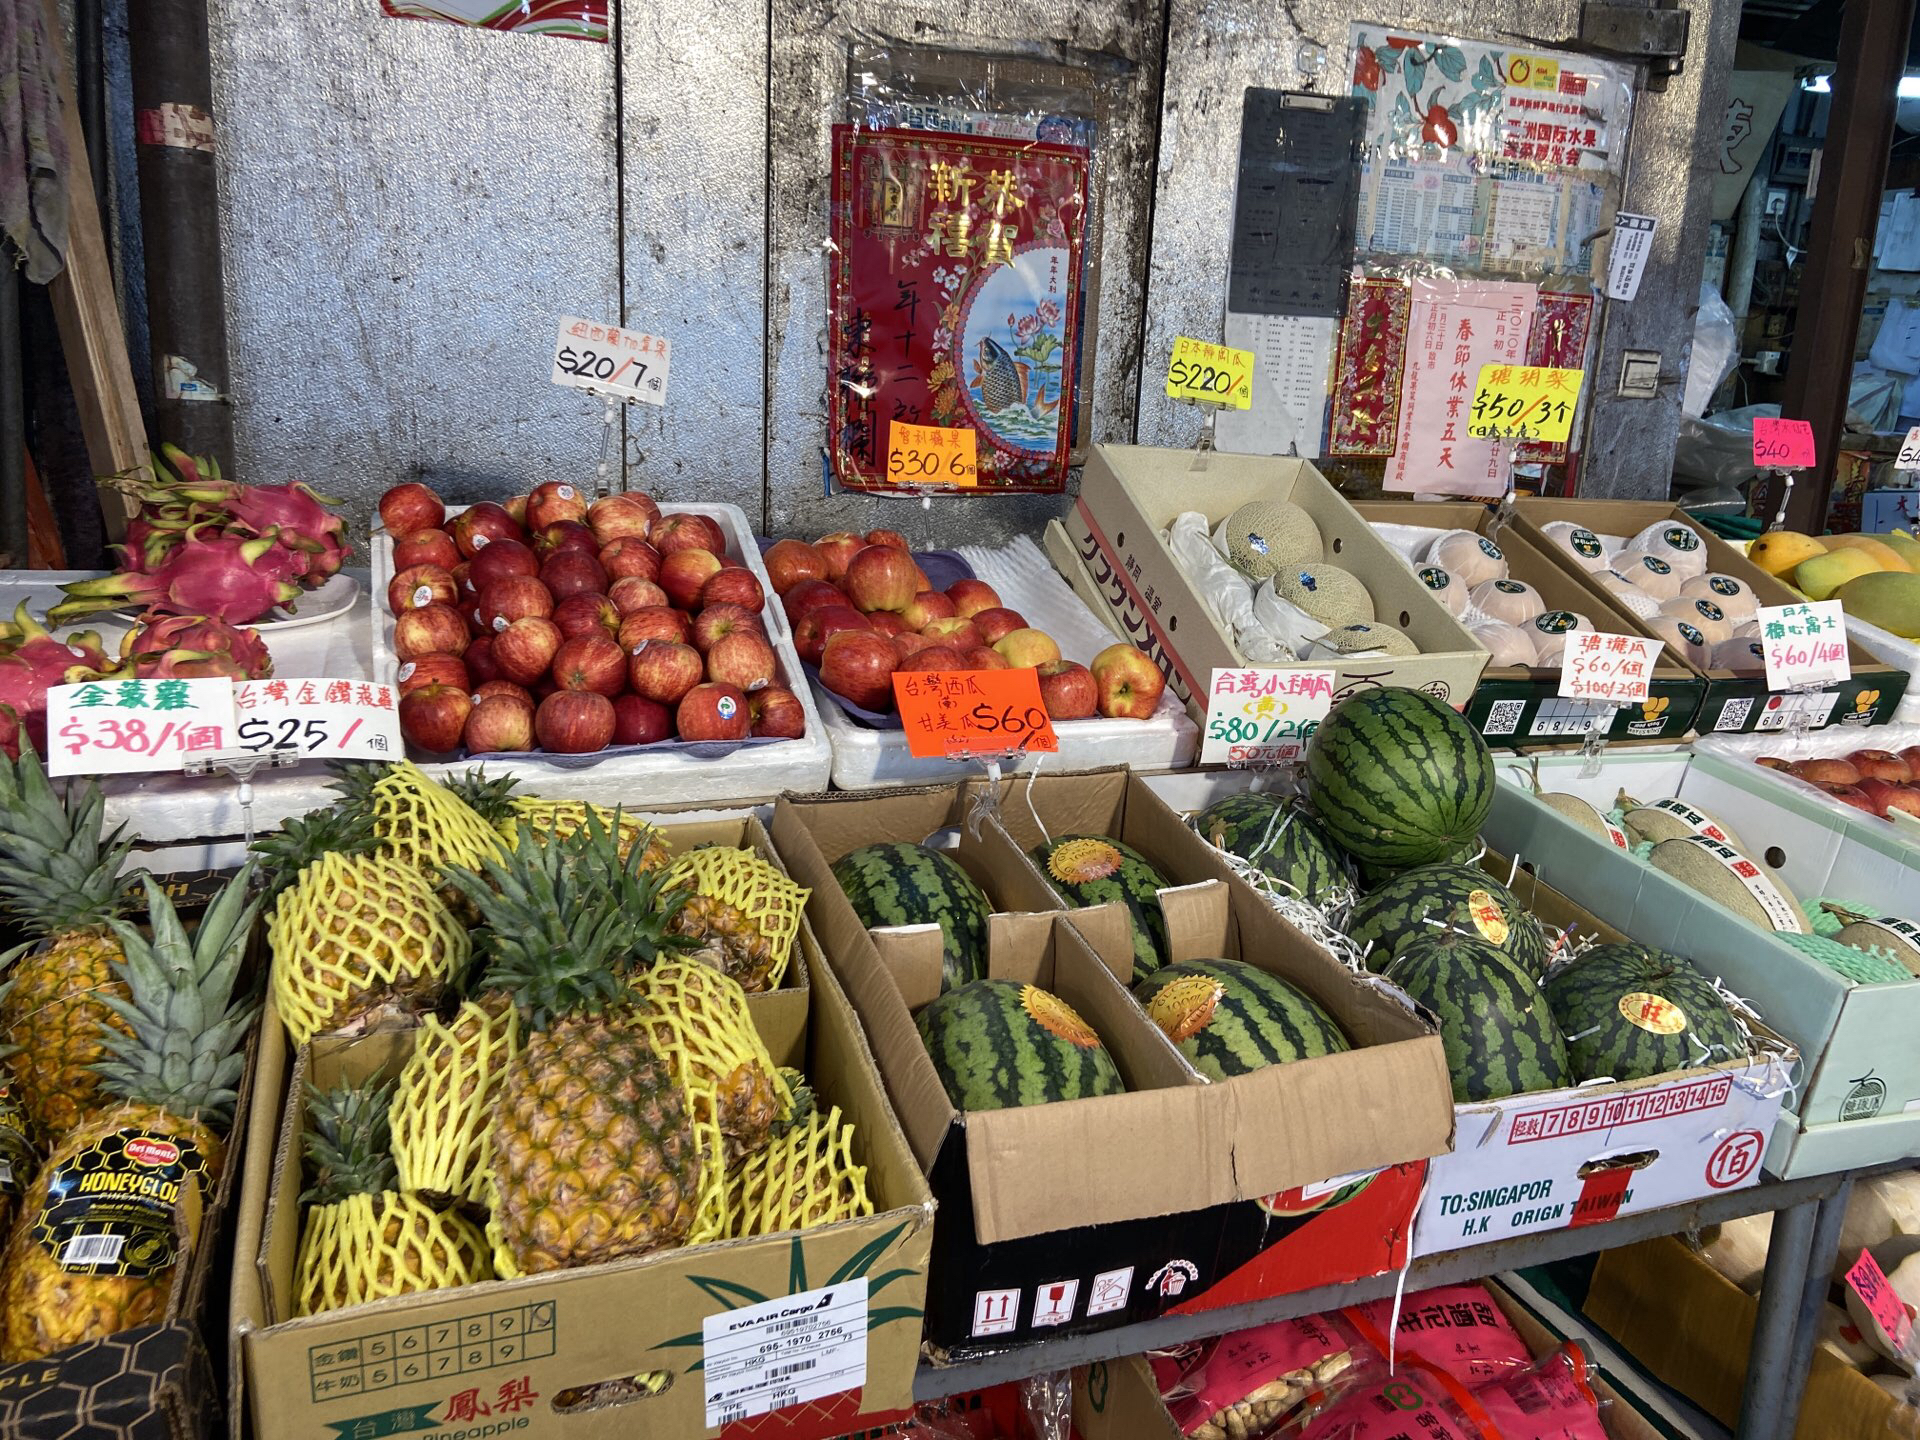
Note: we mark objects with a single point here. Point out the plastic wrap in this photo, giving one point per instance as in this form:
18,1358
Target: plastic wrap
1716,350
1248,1384
1455,1328
1551,1400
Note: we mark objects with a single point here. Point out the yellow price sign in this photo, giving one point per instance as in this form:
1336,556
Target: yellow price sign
1210,374
931,455
1524,402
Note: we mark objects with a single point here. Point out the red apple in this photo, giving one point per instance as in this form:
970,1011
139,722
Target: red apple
743,660
955,632
630,555
524,650
478,526
888,537
684,572
499,724
732,585
505,601
1881,765
591,662
925,608
504,690
816,626
573,572
501,559
663,670
1823,770
933,657
586,614
686,532
858,665
1067,690
516,506
430,629
653,622
1130,683
410,507
718,620
1904,797
1850,795
632,593
574,722
440,668
910,643
550,540
920,580
981,658
419,585
481,666
463,582
714,711
885,622
426,547
1774,762
626,516
1026,648
552,501
434,716
1911,754
970,597
810,595
789,562
778,713
838,549
640,721
880,577
997,621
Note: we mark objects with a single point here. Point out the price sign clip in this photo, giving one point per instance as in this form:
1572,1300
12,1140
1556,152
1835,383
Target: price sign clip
242,766
1595,743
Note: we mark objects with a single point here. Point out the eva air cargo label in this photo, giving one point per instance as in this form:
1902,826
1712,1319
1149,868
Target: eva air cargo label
1561,1159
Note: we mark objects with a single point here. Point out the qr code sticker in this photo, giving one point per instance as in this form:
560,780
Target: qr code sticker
1733,714
1504,717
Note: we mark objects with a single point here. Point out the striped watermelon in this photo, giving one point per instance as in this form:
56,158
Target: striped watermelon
1279,839
1449,895
996,1045
899,884
1630,1011
1398,779
1229,1017
1093,869
1495,1022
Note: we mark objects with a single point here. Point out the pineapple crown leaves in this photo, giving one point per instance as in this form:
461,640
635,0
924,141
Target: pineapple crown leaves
186,1052
488,796
303,839
348,1142
58,870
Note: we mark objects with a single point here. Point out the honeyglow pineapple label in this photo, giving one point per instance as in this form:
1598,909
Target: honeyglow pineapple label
124,727
800,1347
114,1208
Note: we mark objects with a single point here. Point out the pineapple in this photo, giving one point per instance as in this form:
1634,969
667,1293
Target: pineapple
448,1090
806,1177
742,909
365,1239
60,877
17,1158
595,1155
303,839
698,1019
544,819
85,1259
419,821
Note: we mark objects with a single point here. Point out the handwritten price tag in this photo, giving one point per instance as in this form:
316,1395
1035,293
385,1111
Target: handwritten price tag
931,455
1782,444
610,361
1524,402
1804,644
333,719
123,727
1909,456
972,712
1613,669
1867,1280
1261,717
1210,374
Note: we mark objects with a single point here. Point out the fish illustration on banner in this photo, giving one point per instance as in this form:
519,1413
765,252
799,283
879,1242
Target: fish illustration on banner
573,19
955,300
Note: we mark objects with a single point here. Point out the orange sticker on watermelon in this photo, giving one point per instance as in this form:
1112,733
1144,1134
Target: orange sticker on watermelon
972,712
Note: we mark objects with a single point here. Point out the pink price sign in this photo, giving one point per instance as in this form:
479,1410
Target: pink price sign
1867,1280
1782,444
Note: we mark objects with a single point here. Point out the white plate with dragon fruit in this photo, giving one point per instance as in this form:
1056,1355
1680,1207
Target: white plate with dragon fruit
331,601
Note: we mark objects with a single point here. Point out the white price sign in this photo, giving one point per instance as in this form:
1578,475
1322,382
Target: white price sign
1804,644
1263,716
611,361
329,719
124,727
1613,669
1909,456
765,1357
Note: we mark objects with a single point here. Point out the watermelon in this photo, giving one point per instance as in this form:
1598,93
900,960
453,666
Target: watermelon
1093,869
1279,839
1630,1011
1229,1017
996,1045
1398,779
1495,1022
1463,897
899,884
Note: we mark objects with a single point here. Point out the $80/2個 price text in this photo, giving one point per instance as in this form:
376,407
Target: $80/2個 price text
1240,730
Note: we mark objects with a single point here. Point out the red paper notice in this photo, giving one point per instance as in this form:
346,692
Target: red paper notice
1782,444
1869,1282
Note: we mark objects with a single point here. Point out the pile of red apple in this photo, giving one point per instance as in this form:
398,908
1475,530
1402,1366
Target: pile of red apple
1875,781
863,610
556,623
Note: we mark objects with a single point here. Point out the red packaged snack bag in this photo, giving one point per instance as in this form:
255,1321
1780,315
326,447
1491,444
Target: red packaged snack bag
1413,1399
1550,1401
1245,1385
1456,1328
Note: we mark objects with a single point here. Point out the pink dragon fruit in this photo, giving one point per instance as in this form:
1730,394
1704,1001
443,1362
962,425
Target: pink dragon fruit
294,514
192,647
228,577
35,662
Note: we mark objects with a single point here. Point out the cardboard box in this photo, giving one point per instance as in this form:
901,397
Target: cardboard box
1223,1197
1857,1100
1129,494
1517,705
1732,702
515,1351
1693,1328
1733,759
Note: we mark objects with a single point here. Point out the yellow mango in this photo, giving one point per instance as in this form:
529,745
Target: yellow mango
1778,551
1906,547
1888,599
1823,574
1887,557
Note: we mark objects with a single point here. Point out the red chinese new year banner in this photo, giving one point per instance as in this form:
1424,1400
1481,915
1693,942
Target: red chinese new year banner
955,301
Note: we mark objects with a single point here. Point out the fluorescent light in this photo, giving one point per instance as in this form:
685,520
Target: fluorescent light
1821,85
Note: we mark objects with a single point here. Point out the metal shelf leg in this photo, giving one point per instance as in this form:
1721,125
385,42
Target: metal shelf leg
1822,1251
1764,1413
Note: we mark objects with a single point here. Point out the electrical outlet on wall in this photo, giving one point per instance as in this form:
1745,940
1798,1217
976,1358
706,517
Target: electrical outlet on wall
1776,202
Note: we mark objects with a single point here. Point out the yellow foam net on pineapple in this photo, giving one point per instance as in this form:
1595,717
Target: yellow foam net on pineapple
771,902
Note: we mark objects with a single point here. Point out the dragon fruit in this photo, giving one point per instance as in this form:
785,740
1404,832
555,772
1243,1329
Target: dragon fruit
192,647
226,576
294,515
33,663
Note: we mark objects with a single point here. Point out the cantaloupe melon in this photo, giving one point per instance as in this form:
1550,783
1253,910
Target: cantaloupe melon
1671,818
1265,537
1363,638
1331,595
1699,870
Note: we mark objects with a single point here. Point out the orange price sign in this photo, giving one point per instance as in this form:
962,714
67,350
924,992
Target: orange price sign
931,455
972,712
